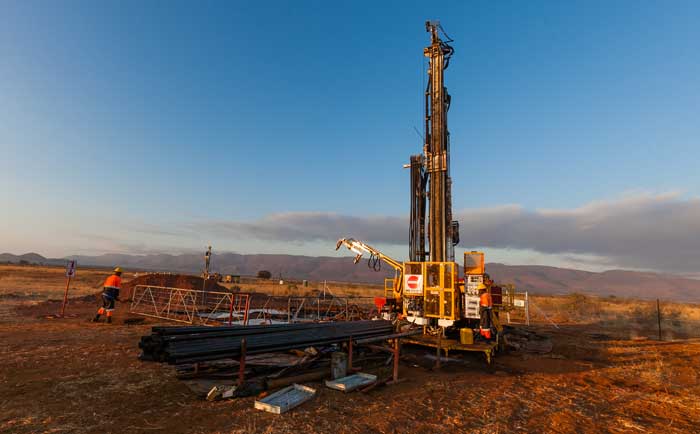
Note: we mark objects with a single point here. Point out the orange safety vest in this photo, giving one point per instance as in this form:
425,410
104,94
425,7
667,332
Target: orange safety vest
113,281
485,300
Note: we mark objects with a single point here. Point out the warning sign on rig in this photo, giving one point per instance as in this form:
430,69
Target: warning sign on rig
70,268
413,284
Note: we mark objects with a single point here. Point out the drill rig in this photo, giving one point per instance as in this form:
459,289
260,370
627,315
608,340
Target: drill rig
427,289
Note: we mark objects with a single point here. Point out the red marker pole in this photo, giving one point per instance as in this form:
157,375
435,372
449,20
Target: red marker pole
65,297
70,272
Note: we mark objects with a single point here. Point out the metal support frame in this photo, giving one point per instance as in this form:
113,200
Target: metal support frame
312,309
189,305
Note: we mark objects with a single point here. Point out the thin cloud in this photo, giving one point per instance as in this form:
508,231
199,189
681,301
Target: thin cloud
314,226
645,231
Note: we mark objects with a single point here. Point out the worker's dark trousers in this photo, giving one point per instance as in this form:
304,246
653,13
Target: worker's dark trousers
107,302
485,322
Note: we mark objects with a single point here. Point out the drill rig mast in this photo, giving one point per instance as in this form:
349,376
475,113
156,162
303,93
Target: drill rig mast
432,168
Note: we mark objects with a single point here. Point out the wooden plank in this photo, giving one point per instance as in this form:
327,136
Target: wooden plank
286,399
351,382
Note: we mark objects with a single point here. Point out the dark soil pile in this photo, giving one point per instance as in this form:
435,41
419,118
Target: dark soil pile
170,280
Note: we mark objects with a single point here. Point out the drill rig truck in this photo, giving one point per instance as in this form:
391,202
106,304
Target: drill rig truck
427,290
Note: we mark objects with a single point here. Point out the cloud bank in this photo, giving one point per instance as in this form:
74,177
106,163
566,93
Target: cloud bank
645,231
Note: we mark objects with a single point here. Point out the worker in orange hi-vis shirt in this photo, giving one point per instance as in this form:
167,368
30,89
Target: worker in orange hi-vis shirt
485,306
110,294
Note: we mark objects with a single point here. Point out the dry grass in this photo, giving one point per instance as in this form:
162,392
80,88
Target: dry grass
637,317
44,282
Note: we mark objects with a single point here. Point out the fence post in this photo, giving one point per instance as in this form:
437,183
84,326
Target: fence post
658,316
230,311
527,309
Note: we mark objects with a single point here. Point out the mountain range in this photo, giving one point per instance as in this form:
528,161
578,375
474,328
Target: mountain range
536,279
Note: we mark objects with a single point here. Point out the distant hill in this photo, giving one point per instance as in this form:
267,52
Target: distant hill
540,279
32,258
536,279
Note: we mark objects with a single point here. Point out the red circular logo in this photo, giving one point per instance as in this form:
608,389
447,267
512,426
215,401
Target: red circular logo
412,282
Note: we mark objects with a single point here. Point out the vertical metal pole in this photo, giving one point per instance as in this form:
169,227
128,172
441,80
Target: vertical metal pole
527,309
230,311
204,291
658,316
65,297
241,366
247,308
397,352
439,344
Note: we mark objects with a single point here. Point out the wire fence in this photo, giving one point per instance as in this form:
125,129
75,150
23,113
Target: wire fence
629,318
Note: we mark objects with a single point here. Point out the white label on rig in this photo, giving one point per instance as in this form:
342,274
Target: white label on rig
413,284
519,303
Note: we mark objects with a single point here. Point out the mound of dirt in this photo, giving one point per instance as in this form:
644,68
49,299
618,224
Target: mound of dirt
170,280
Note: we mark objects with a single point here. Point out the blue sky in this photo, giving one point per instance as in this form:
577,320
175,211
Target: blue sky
165,126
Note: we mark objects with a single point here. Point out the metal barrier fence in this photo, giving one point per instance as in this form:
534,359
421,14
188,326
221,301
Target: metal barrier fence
190,306
277,310
516,305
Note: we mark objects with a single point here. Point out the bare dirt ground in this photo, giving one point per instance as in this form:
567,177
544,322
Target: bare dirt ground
70,375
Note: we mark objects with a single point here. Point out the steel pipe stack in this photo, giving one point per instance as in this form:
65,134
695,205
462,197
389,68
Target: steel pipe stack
176,345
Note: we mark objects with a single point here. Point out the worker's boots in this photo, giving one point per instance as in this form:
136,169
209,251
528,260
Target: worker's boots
109,320
97,318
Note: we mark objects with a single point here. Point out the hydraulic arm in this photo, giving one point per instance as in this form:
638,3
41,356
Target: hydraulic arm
360,248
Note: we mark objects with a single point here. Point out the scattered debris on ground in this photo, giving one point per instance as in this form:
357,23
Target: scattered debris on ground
522,339
286,399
